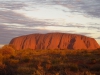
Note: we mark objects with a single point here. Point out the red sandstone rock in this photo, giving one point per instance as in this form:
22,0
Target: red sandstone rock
54,41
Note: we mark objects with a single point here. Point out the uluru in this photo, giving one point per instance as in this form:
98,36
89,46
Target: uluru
54,41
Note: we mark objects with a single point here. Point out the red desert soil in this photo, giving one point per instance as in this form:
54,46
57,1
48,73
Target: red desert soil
54,41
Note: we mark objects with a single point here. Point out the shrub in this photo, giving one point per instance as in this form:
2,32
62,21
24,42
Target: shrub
95,67
87,73
73,67
25,70
7,50
2,68
25,59
1,57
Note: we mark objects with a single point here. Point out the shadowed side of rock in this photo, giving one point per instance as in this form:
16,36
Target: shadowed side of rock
54,41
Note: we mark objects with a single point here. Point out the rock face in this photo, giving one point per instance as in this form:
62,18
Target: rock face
54,41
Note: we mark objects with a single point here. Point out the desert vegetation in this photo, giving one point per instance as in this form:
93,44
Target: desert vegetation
49,62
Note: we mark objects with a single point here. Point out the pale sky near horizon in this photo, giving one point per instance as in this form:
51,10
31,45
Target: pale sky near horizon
22,17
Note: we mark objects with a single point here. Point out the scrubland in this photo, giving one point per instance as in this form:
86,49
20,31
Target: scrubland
49,62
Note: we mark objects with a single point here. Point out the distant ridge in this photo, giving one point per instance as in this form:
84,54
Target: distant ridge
54,41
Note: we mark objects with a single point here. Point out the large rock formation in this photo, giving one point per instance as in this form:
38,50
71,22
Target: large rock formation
54,41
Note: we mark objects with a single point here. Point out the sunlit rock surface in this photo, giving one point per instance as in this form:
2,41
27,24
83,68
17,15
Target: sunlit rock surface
54,41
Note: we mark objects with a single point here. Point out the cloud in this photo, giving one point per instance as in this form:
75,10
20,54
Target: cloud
98,31
90,7
94,26
85,33
75,25
97,38
12,5
13,19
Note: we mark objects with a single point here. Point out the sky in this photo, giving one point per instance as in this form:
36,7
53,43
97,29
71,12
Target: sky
22,17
